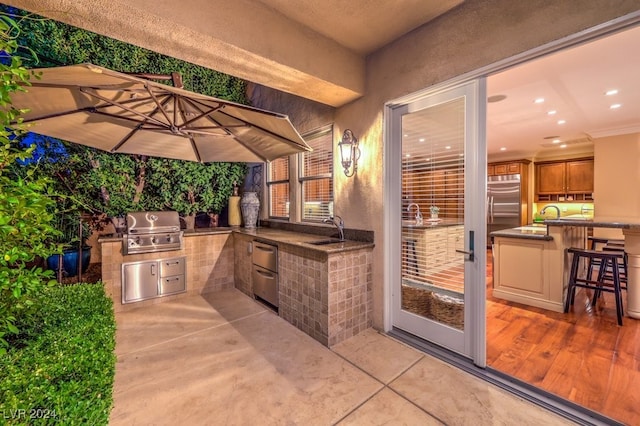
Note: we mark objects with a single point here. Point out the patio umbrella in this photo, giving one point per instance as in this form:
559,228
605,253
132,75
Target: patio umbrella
123,113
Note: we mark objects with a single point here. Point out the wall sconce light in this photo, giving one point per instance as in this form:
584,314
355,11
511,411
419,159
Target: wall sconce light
349,152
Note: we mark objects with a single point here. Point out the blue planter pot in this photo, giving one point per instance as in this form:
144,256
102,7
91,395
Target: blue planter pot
70,261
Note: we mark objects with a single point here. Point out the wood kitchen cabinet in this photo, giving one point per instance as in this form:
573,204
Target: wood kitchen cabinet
560,180
511,168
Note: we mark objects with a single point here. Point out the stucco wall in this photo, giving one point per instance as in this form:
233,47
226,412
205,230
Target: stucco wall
476,34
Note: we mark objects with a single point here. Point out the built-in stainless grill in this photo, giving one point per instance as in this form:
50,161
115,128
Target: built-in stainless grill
149,232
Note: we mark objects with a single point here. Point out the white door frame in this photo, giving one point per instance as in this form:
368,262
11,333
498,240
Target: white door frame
392,271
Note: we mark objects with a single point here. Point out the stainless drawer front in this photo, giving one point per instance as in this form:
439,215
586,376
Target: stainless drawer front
171,285
265,255
265,284
173,266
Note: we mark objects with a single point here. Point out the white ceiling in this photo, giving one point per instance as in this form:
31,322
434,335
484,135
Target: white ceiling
572,82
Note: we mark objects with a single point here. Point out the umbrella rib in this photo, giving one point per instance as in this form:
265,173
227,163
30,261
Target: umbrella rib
178,102
160,107
269,132
122,106
138,127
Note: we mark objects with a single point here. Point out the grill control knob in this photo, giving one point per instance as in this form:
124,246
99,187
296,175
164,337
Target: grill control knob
138,240
153,240
168,238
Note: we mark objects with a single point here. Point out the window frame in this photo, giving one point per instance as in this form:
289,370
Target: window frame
314,134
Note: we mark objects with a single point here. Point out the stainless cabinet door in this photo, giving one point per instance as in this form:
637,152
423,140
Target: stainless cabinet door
139,281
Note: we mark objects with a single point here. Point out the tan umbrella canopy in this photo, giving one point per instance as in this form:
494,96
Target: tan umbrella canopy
122,113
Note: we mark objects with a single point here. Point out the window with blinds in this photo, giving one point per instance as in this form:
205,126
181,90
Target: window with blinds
316,175
433,196
278,186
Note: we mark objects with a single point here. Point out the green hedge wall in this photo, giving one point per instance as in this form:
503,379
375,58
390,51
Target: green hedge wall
56,43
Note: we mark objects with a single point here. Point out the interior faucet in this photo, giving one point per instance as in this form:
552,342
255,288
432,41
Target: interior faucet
555,207
337,223
418,216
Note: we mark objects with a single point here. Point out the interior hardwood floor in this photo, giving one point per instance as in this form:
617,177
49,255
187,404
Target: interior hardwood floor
582,356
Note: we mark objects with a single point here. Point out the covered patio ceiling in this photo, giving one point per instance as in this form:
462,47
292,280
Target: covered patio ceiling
313,49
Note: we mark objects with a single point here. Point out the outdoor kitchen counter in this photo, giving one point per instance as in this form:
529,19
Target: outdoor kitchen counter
301,239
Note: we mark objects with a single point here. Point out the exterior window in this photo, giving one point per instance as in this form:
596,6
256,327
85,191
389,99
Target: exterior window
316,175
278,186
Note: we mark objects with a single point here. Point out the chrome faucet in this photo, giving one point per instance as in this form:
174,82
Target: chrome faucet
551,205
337,223
418,216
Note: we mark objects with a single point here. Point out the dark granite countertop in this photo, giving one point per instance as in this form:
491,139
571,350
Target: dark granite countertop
300,239
597,222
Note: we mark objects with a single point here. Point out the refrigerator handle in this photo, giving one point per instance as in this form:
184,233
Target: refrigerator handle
491,209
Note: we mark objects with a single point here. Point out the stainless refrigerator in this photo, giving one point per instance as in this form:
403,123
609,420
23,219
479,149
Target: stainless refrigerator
503,203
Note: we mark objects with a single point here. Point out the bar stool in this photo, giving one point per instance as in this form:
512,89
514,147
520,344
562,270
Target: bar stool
607,259
608,244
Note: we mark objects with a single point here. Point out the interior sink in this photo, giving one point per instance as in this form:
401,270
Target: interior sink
325,242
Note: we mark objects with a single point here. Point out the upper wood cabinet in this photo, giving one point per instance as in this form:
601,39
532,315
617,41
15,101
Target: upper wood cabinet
569,177
511,168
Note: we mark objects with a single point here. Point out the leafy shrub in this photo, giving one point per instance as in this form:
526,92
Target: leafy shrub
26,209
63,362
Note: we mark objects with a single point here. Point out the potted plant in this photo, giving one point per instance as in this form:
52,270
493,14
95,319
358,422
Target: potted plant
434,210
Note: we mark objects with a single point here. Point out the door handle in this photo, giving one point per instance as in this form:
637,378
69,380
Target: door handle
153,266
470,252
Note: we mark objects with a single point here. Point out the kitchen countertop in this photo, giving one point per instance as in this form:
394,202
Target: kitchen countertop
526,232
299,239
430,224
597,222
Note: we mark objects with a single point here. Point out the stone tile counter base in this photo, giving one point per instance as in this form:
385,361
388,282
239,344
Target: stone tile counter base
328,296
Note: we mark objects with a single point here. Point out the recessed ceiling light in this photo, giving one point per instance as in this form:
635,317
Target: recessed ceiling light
460,155
496,98
539,100
421,140
552,112
561,121
555,141
447,147
407,155
503,149
611,92
615,106
406,135
564,145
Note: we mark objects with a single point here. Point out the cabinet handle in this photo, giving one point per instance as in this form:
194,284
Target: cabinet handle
153,266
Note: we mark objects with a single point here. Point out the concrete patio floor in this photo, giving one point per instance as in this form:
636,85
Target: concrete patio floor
224,359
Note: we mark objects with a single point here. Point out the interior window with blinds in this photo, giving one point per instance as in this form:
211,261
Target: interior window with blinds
278,185
316,175
433,198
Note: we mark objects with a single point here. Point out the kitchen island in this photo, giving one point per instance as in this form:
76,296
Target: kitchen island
530,264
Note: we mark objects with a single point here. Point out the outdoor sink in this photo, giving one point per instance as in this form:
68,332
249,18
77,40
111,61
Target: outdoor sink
325,242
